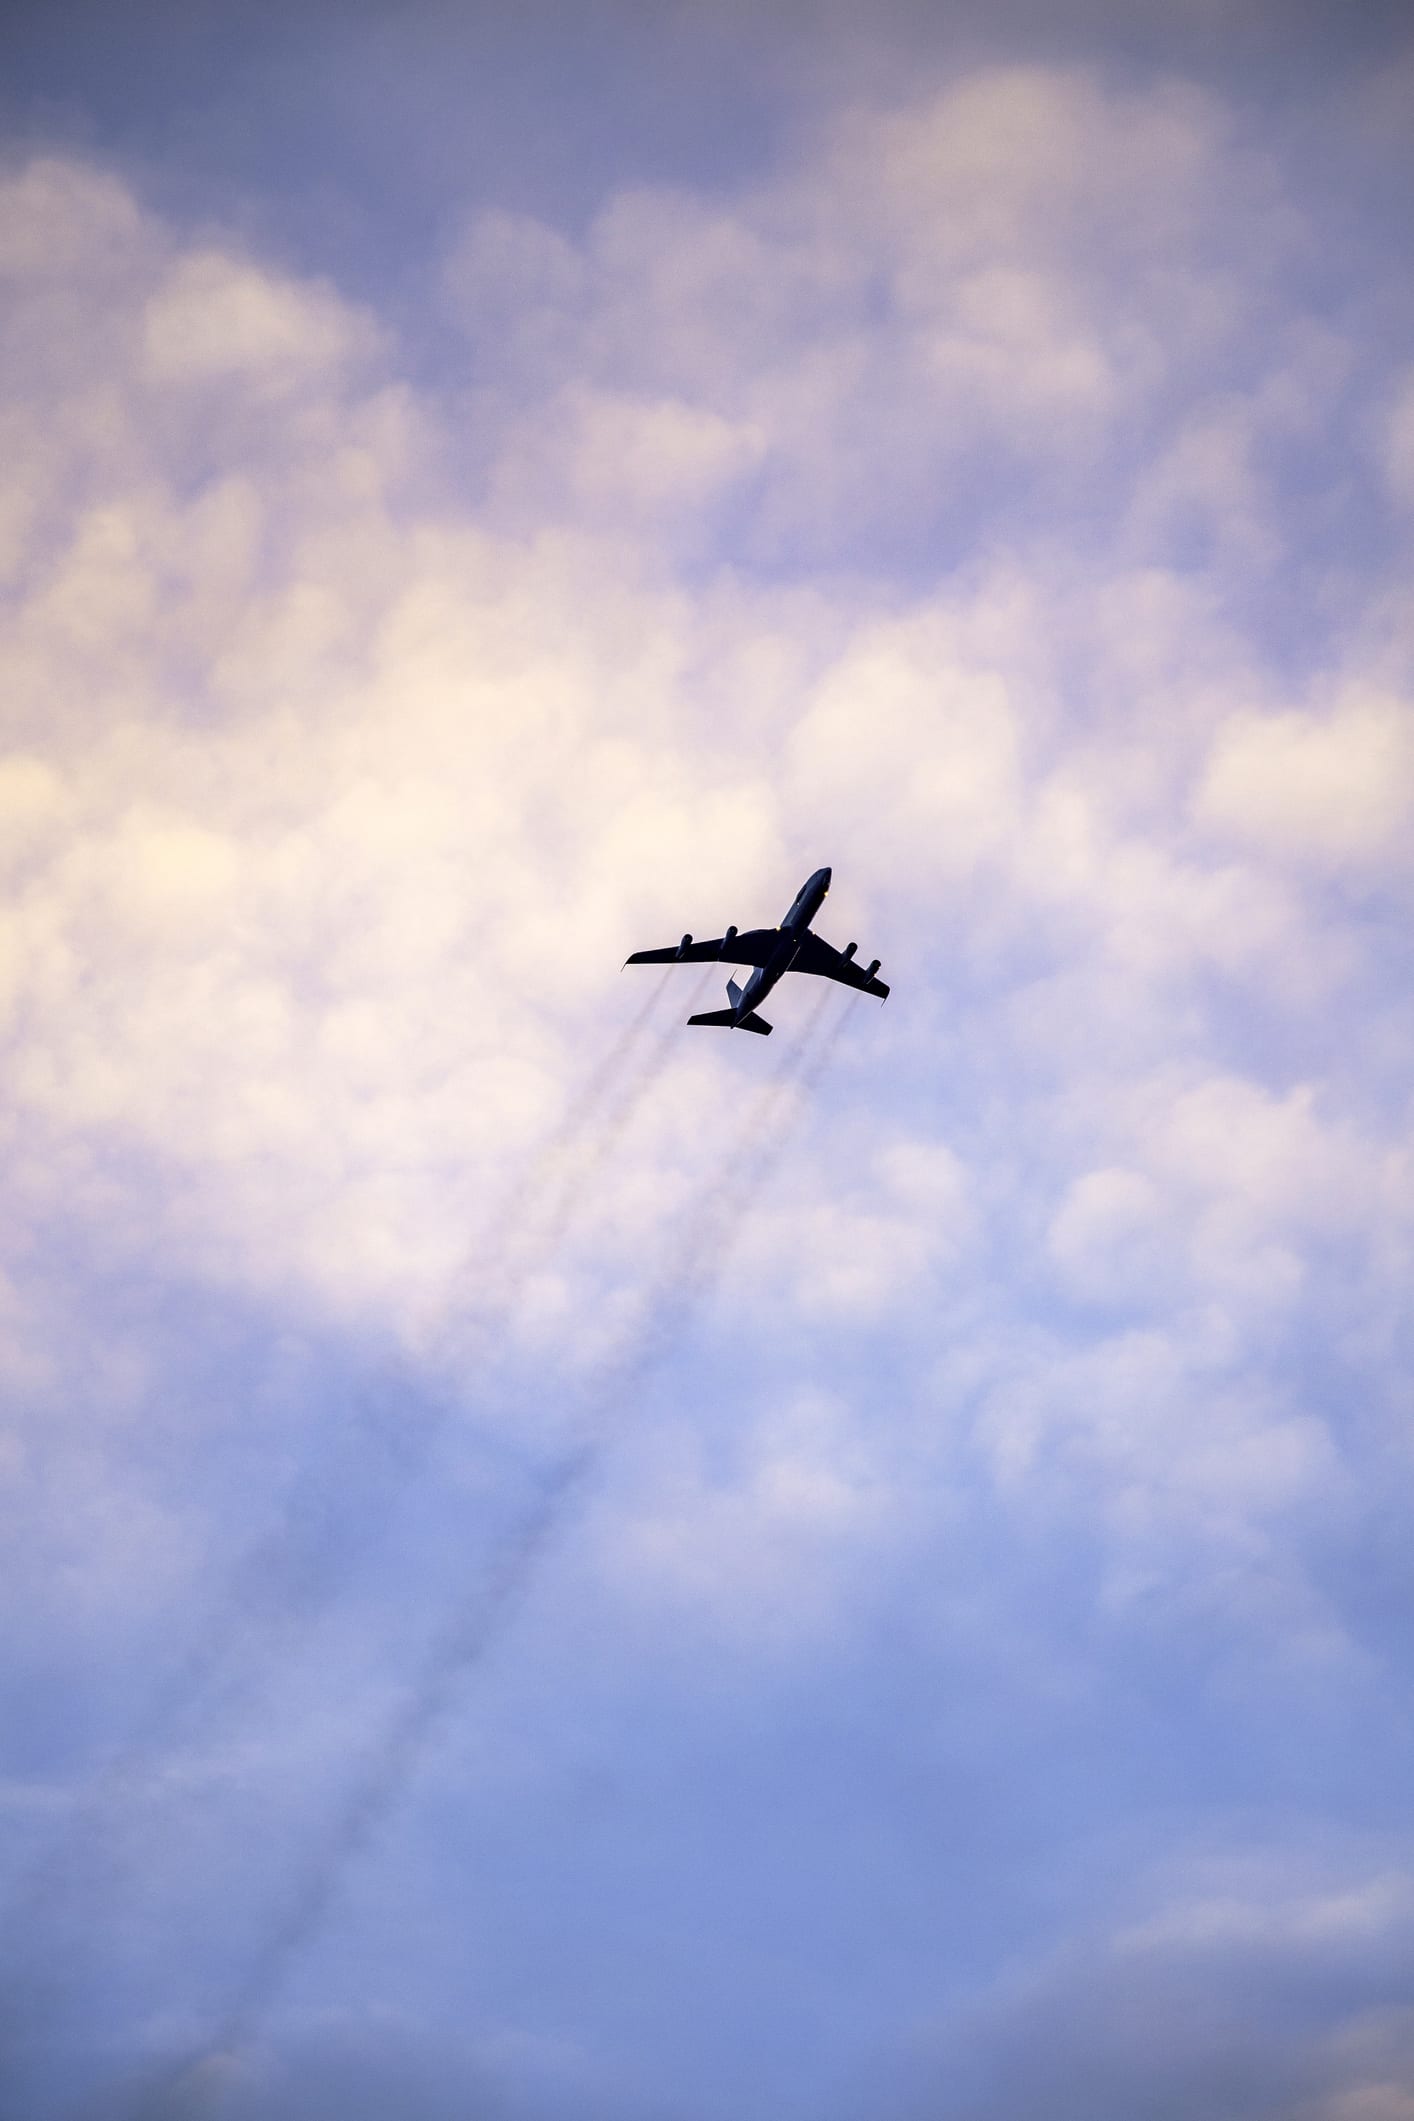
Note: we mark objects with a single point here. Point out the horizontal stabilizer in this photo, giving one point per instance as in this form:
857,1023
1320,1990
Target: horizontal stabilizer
728,1017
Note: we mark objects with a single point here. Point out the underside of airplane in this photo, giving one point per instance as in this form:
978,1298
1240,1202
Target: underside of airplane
771,952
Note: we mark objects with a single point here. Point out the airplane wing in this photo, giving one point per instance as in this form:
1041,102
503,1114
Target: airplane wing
818,957
752,947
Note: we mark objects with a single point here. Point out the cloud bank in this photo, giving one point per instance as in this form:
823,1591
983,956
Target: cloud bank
1003,499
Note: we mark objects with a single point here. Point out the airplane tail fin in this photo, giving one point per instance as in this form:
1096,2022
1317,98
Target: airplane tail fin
733,994
728,1017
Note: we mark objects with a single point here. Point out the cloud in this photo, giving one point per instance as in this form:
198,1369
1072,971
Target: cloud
922,504
624,460
998,272
215,316
1331,789
1244,1997
252,923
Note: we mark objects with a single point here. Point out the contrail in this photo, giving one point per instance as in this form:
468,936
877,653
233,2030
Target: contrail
709,1232
519,1206
694,1265
286,1576
537,1215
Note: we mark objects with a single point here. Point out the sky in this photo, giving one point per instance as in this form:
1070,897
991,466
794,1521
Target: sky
555,1568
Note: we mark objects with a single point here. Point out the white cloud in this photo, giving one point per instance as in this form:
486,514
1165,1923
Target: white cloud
624,460
216,316
999,273
1107,1235
1240,1986
762,1551
333,797
907,744
63,218
1334,789
1350,1913
921,507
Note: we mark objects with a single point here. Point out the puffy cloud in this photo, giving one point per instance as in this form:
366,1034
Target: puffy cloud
628,461
995,275
215,317
779,1534
64,219
933,761
341,759
910,507
327,801
1333,789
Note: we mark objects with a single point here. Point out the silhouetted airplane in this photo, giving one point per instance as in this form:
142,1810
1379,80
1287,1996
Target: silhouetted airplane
774,952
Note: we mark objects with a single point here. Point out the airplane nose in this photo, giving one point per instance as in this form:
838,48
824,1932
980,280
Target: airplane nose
825,878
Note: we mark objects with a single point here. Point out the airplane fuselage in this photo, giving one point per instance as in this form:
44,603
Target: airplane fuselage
770,953
808,901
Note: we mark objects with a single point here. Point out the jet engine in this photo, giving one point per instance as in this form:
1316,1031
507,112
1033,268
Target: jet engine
684,946
727,940
873,968
849,950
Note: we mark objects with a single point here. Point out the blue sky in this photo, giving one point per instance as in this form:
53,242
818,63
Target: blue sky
558,1567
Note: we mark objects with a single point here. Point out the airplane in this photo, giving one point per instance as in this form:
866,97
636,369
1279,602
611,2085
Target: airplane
774,952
